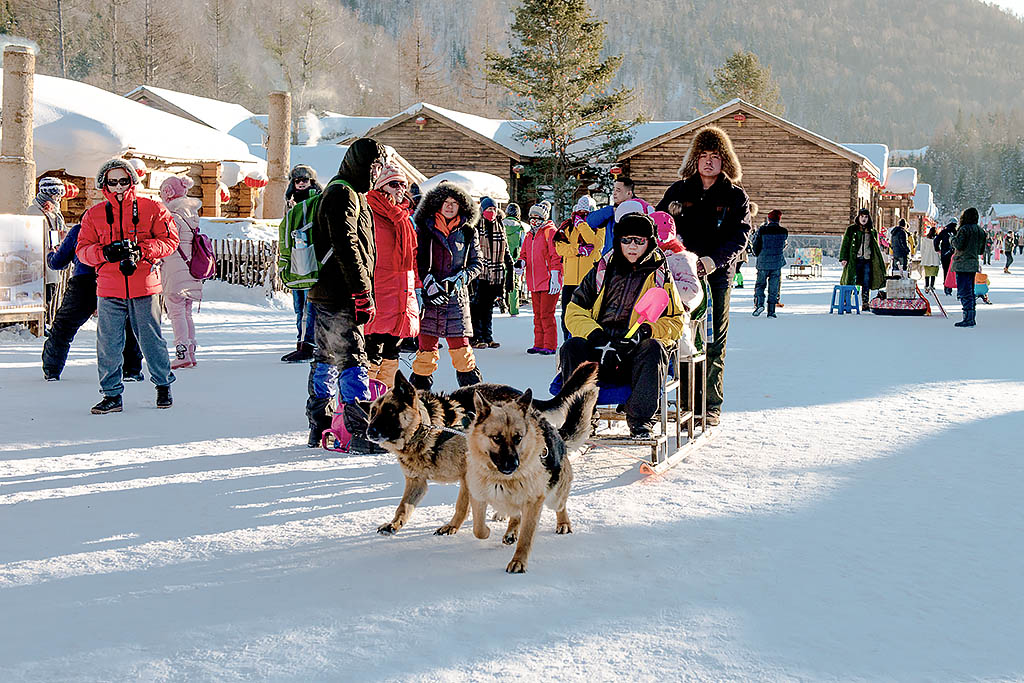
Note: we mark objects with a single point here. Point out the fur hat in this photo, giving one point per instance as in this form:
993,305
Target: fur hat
120,163
512,210
434,198
54,187
586,203
390,172
774,215
969,216
542,211
302,171
174,187
712,139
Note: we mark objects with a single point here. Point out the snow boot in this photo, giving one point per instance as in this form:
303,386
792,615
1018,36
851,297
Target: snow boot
771,310
421,382
181,359
109,404
469,377
758,310
163,396
303,352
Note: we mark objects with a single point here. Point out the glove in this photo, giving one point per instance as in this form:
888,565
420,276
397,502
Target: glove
585,250
598,338
365,310
554,285
456,281
434,293
626,345
115,251
519,267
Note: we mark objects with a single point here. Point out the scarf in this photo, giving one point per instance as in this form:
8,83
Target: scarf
446,225
398,216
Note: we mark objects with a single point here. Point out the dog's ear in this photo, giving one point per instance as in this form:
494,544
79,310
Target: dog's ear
526,400
403,390
482,406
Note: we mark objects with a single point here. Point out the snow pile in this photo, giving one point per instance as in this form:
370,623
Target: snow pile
240,228
477,183
215,290
924,202
78,127
901,180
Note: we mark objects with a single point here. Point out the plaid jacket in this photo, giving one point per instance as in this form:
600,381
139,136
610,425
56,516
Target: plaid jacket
494,255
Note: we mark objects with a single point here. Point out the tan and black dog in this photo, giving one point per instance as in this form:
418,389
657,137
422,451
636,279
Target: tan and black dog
517,462
426,431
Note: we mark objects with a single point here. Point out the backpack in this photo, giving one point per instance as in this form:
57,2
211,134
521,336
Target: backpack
203,264
297,261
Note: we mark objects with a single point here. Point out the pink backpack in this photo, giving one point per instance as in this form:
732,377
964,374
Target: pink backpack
202,264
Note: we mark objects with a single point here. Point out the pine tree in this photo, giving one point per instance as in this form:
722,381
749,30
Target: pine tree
744,77
559,81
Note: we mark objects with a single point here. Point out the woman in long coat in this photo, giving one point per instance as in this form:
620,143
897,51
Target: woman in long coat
862,257
181,290
394,274
447,259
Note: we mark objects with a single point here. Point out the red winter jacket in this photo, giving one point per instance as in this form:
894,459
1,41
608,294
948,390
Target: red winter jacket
394,273
541,258
155,234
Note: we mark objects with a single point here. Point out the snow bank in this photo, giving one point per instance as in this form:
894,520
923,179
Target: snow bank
240,228
215,290
478,184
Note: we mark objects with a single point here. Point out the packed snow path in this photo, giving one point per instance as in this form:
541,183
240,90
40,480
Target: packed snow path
858,516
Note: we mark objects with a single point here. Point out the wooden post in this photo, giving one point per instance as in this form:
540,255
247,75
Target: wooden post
278,154
17,166
210,183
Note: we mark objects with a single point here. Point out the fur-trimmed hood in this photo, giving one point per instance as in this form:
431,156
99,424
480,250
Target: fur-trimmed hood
112,164
712,139
432,201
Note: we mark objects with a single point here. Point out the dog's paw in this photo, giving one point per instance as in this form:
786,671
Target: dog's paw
516,567
498,517
509,539
563,528
482,533
446,530
387,529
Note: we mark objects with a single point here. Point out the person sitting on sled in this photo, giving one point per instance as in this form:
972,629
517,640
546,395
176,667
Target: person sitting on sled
602,311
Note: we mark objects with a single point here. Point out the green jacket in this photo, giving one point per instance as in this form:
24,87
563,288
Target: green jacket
969,244
848,252
514,231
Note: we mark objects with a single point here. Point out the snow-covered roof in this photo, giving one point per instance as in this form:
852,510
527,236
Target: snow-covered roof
222,116
645,132
1004,210
477,183
901,180
326,159
78,127
924,202
312,129
877,154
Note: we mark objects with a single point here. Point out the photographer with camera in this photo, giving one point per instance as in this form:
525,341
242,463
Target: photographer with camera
124,238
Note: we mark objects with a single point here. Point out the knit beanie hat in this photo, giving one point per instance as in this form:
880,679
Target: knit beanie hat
52,187
391,172
486,203
174,187
542,211
631,206
665,224
512,210
774,215
586,204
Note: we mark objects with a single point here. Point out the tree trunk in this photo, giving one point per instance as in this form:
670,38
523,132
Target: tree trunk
60,39
113,46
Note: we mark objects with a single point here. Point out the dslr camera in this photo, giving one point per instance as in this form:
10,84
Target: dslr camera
126,253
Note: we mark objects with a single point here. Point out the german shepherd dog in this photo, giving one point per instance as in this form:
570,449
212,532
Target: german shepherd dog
517,462
426,431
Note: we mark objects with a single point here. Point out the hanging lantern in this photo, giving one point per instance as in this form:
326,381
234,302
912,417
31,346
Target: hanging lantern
140,167
616,171
739,118
225,193
70,190
256,179
518,170
421,121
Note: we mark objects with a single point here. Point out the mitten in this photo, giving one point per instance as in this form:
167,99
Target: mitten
585,250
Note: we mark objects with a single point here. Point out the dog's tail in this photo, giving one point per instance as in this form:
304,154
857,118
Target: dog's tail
571,411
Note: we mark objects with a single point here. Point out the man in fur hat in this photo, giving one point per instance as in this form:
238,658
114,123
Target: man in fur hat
712,216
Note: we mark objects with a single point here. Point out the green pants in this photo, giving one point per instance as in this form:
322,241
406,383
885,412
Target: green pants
513,298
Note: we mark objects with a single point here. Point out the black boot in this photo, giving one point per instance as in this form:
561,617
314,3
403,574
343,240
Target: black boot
306,351
771,310
471,377
421,382
163,396
109,404
293,356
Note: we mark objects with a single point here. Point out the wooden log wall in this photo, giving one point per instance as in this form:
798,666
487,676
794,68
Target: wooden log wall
817,191
247,262
242,203
438,148
209,181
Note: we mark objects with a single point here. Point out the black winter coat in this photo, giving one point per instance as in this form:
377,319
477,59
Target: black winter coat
344,223
713,222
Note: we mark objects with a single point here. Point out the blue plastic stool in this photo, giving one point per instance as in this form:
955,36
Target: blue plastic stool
845,299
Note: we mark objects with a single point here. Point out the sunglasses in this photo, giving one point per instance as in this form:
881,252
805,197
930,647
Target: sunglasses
397,185
123,182
302,180
639,241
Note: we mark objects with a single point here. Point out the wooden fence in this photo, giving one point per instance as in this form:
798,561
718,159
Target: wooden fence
247,262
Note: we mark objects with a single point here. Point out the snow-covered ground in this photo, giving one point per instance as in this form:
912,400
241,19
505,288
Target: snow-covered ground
858,516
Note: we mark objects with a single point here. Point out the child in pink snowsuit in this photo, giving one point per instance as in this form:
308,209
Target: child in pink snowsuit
180,288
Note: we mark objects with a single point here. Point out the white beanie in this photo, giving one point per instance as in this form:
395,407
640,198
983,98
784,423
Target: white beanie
631,206
586,203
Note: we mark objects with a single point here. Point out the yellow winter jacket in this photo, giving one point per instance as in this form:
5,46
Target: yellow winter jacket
583,311
575,266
